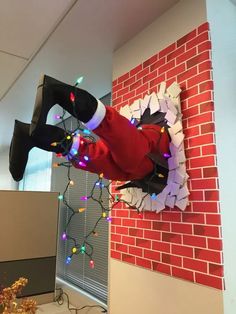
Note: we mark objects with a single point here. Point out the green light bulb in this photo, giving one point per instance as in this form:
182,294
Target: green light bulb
82,249
79,80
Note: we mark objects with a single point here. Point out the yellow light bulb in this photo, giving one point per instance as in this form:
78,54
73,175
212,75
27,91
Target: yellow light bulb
160,175
162,129
82,209
74,250
68,137
104,215
54,144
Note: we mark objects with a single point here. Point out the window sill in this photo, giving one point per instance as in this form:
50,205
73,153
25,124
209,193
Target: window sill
79,298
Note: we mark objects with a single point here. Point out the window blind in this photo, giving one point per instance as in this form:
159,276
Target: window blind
78,272
37,176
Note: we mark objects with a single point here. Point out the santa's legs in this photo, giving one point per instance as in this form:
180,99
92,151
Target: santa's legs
94,157
121,153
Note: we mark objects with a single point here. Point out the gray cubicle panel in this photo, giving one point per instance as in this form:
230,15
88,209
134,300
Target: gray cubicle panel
28,241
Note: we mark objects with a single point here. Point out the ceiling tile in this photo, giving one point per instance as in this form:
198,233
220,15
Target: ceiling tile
25,24
10,67
82,44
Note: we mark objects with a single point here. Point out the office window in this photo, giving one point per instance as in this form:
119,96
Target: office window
78,271
37,176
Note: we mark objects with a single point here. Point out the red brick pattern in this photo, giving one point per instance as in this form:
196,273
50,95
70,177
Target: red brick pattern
188,244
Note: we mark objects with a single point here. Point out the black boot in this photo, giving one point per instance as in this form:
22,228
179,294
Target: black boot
22,143
78,102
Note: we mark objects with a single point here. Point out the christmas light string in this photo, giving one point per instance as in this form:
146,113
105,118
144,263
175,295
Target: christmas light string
85,247
60,300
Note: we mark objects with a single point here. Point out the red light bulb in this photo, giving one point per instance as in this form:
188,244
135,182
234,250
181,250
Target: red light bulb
72,97
91,263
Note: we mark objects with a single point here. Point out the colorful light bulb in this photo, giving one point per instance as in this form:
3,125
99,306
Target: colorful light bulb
84,198
71,182
55,165
59,155
91,263
79,80
85,131
74,250
163,129
72,97
73,151
68,137
63,236
82,249
154,196
132,120
101,175
166,155
82,164
68,260
160,175
57,117
60,197
86,158
140,215
54,144
108,219
104,215
82,209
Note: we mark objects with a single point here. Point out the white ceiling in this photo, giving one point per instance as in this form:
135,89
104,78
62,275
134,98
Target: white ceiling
65,39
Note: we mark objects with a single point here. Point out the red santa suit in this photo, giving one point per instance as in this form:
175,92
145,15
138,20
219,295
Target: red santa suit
121,152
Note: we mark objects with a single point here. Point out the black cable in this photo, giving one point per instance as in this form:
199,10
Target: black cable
76,158
60,301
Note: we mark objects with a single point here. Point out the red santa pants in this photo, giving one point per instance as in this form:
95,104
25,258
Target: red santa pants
121,152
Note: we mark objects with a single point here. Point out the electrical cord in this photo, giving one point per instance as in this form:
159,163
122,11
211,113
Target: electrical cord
60,301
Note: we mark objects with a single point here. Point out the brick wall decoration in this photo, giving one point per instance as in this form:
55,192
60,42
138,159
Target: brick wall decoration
175,193
187,245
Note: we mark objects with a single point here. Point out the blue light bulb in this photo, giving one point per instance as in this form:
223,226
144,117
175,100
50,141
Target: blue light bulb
68,259
154,196
86,131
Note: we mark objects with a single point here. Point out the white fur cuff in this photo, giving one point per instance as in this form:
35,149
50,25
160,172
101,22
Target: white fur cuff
98,116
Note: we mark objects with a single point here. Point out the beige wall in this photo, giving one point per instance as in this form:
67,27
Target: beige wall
176,22
134,290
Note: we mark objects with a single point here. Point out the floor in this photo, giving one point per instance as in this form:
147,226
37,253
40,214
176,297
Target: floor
51,308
